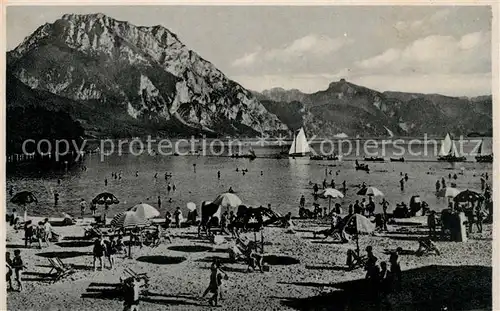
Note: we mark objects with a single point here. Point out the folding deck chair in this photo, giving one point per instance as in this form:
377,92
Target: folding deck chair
426,247
131,274
355,260
61,270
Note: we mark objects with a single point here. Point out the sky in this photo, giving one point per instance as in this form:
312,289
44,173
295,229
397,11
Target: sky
425,49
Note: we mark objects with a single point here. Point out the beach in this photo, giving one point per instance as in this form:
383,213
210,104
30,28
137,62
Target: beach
305,273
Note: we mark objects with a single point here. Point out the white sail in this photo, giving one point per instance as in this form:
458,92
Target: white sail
300,144
485,148
446,146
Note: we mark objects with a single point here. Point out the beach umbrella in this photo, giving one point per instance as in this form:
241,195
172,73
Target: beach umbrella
227,200
370,191
145,210
447,192
129,219
467,196
23,198
191,206
331,193
105,198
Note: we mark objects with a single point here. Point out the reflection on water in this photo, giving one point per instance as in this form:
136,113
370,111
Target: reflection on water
281,182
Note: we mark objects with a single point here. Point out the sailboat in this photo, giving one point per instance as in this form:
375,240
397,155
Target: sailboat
449,152
483,156
300,146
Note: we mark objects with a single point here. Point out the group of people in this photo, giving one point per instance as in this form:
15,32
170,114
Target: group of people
107,247
41,233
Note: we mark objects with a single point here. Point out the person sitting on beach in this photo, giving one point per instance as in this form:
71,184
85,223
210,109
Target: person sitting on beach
9,272
230,190
98,252
18,266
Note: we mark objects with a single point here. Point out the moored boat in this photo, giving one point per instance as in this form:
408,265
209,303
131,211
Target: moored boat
484,157
448,152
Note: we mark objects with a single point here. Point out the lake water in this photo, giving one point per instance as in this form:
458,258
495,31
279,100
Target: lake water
281,184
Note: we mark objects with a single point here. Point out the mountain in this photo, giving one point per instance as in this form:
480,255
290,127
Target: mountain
348,108
279,94
122,80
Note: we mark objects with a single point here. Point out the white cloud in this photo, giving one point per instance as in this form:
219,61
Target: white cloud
305,48
414,26
433,54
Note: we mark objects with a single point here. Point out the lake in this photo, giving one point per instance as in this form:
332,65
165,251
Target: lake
281,184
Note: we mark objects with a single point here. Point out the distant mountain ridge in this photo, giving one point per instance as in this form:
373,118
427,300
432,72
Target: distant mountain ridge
348,108
135,75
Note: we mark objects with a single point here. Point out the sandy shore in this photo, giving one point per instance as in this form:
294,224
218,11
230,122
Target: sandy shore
305,273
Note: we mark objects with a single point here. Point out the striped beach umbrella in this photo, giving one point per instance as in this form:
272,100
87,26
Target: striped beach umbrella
468,196
129,219
370,191
105,198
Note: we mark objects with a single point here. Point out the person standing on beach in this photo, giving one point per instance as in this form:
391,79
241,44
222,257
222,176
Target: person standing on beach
110,250
177,217
159,202
218,174
83,206
173,187
56,198
98,252
18,265
105,181
431,223
332,184
324,183
443,183
169,187
357,207
396,268
136,173
131,295
47,227
438,185
406,177
8,263
302,201
215,283
315,188
479,219
344,187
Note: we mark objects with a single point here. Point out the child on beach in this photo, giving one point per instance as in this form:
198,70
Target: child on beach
18,265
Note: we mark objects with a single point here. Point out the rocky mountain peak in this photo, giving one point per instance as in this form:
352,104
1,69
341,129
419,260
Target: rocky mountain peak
146,70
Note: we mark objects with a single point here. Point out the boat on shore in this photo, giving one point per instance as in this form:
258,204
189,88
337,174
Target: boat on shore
397,159
448,152
484,157
316,157
300,146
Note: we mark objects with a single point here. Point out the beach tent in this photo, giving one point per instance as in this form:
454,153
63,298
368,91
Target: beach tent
145,210
209,209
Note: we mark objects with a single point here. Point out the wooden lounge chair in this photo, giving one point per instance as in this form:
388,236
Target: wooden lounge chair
426,247
61,270
93,232
139,276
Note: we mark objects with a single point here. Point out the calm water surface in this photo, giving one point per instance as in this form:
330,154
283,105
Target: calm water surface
281,184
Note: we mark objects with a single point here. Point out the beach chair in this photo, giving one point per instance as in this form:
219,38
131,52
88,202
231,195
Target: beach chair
354,260
92,232
138,276
60,269
426,247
